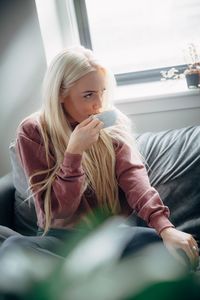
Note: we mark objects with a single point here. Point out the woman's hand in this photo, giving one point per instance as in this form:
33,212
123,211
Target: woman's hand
175,240
84,135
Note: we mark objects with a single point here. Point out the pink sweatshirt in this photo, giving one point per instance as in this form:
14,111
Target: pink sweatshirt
68,202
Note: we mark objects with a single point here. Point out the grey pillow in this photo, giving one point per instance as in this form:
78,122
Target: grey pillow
171,153
25,220
19,178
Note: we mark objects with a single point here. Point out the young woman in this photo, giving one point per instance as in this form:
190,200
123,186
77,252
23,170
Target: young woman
74,165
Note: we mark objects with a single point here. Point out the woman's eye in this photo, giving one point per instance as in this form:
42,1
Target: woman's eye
87,96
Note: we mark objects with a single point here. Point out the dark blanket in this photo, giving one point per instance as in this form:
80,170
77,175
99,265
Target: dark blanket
173,164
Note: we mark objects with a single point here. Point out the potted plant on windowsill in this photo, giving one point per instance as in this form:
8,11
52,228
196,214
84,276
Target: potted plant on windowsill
192,73
192,76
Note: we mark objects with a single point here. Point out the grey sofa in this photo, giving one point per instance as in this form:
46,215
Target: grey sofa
173,164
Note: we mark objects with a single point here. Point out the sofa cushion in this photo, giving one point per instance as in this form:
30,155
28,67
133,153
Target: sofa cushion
170,154
7,193
24,211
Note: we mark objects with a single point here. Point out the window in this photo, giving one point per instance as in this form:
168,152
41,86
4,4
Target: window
138,39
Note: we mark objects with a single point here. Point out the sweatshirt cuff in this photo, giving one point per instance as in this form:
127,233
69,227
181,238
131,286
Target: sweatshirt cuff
72,160
161,223
72,165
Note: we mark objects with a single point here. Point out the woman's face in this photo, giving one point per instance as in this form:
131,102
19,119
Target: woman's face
85,98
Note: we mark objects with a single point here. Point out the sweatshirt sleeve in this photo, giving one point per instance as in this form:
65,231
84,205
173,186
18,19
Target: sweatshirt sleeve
67,187
133,179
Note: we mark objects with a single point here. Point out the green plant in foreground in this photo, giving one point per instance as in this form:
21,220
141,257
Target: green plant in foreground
93,269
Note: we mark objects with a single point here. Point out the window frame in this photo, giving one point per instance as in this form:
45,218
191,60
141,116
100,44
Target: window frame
144,76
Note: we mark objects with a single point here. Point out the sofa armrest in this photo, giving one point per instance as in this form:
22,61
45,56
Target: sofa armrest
7,196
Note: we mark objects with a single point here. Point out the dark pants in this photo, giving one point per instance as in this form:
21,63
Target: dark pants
54,244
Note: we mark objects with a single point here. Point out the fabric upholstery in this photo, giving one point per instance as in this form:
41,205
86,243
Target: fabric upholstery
170,154
25,217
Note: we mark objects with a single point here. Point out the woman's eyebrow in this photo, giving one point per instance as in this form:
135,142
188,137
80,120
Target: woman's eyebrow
92,91
89,91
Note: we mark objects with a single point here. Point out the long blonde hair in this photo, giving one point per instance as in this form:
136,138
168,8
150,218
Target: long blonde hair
66,68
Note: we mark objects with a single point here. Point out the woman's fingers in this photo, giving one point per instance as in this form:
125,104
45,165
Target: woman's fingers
194,245
91,123
94,124
185,257
99,126
192,254
180,255
183,243
85,122
84,135
193,250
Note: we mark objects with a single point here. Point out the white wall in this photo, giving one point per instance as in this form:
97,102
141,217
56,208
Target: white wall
175,108
23,65
166,120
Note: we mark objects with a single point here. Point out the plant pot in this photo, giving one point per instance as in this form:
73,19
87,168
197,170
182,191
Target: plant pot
192,80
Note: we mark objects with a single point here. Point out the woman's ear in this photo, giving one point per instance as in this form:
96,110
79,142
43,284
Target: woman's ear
62,97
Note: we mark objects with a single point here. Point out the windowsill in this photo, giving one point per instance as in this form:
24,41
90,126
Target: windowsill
157,97
153,91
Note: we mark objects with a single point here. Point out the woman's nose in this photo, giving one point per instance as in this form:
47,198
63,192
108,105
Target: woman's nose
98,102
